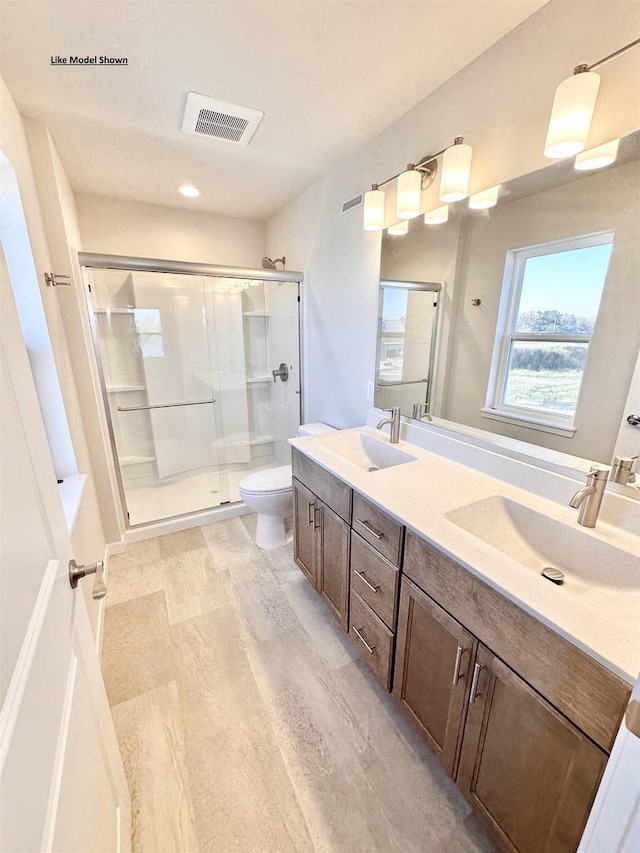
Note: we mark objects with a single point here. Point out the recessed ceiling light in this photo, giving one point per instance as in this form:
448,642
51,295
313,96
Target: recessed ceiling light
189,191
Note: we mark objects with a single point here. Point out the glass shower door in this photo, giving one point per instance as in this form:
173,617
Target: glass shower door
155,339
256,329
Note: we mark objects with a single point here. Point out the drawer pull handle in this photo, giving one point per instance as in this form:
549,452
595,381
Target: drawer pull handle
316,514
310,514
369,648
474,683
377,533
362,577
457,675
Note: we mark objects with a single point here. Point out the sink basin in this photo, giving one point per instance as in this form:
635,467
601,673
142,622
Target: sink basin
537,541
365,452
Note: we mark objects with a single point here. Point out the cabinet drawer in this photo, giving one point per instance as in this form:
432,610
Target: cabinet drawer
374,579
331,490
577,685
377,529
372,638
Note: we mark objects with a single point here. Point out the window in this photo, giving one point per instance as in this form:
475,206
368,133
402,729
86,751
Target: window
392,331
149,331
550,300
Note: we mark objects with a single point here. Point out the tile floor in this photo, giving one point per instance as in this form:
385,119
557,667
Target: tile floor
246,720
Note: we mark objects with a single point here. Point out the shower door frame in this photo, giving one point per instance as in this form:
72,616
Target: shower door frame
90,260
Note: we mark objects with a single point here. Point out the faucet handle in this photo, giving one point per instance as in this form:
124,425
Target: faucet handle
599,472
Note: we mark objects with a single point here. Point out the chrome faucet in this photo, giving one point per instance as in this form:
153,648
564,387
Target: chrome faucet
394,420
590,497
622,471
420,412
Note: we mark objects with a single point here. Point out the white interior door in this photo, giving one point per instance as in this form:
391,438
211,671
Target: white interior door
62,785
614,822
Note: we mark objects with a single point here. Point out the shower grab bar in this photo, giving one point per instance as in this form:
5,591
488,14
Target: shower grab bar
163,406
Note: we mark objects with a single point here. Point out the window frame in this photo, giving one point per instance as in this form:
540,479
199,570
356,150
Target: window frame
495,408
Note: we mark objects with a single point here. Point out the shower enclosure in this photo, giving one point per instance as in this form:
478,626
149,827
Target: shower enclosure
200,373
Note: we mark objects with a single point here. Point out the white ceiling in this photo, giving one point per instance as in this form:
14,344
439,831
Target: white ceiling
328,74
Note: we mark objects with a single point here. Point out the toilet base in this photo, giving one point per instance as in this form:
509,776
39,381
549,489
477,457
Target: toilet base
270,532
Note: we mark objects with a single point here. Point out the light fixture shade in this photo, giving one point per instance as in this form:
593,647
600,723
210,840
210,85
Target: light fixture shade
456,168
189,191
571,115
398,229
437,216
484,199
408,194
599,157
373,216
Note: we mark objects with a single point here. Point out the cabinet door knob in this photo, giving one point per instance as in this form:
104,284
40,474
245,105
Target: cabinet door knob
477,669
457,675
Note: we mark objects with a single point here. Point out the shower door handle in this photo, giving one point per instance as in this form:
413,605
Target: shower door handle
163,406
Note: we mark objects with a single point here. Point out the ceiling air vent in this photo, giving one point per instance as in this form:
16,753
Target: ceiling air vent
226,122
351,203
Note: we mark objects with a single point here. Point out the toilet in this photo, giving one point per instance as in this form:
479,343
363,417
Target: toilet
269,494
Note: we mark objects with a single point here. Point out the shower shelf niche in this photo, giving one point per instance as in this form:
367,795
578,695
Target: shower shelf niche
123,389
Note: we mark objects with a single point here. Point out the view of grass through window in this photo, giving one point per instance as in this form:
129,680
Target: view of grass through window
556,315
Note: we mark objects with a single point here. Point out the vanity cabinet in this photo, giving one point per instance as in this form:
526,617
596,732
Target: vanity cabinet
434,661
519,717
321,540
526,769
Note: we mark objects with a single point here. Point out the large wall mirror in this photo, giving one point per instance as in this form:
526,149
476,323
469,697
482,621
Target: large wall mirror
536,333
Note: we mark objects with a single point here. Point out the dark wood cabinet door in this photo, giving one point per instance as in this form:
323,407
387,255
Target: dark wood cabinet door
305,517
434,654
529,772
332,575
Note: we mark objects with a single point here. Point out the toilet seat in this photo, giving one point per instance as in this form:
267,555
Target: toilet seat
270,481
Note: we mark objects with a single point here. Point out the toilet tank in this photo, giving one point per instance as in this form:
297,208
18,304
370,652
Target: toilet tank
315,429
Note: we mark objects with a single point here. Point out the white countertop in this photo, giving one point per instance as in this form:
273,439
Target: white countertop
421,493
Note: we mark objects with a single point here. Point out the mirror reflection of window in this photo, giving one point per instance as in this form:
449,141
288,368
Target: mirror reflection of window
407,326
149,332
553,294
392,332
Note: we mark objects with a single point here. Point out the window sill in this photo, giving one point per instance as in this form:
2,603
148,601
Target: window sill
71,491
529,421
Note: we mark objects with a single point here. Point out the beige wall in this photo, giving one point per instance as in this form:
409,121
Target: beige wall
120,227
501,104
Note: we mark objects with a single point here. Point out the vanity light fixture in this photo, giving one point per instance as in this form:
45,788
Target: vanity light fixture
399,229
374,209
456,167
598,157
573,107
189,191
408,193
437,216
484,199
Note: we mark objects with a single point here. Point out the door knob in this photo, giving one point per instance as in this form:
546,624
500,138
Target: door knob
282,372
76,572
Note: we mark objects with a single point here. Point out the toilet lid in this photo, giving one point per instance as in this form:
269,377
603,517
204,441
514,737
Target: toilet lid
269,480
